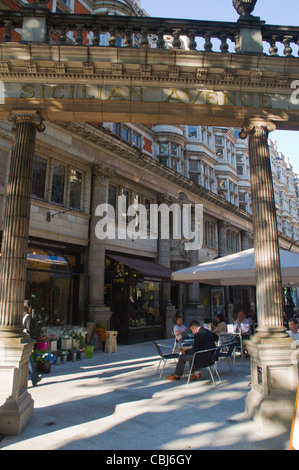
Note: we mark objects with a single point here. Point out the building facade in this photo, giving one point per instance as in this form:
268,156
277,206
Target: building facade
123,282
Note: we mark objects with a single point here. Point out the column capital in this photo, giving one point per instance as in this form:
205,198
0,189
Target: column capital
21,116
102,173
251,126
166,199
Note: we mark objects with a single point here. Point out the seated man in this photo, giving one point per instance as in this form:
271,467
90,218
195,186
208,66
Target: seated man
293,331
203,339
242,325
179,329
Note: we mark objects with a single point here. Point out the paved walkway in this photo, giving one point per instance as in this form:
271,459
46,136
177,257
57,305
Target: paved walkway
117,402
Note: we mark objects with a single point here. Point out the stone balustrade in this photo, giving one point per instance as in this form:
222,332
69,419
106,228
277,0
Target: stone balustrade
148,32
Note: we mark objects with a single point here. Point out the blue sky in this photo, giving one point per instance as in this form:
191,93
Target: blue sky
271,11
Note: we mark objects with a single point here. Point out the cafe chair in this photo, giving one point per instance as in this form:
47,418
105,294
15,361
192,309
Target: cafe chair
213,363
227,351
164,357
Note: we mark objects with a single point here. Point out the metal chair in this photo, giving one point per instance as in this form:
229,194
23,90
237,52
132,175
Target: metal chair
164,357
227,351
213,363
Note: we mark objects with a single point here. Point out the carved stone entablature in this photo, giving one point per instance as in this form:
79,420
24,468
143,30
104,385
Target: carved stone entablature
282,78
102,173
88,68
228,75
256,76
117,69
173,72
145,70
60,67
201,73
31,66
5,66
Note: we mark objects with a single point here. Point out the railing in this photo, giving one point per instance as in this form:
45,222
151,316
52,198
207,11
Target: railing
148,32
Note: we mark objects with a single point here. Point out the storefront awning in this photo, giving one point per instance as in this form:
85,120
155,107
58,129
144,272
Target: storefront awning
145,267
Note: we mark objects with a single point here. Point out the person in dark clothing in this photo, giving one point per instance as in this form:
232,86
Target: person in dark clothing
203,339
34,376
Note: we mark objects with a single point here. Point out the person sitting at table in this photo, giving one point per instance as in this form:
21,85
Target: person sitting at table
242,325
179,329
220,326
293,331
203,339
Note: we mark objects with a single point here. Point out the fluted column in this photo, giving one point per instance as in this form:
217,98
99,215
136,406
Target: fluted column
16,404
16,221
266,246
273,357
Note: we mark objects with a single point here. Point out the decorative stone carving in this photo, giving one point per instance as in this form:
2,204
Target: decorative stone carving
244,7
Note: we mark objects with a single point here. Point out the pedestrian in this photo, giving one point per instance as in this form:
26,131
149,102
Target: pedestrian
34,376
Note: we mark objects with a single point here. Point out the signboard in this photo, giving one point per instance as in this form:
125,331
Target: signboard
294,439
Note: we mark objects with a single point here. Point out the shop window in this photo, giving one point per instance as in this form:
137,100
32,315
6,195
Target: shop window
39,177
58,182
76,180
48,286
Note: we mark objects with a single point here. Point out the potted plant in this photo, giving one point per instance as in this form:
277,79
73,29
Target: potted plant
43,359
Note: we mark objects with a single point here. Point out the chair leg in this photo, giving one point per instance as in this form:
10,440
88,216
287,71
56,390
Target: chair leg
231,365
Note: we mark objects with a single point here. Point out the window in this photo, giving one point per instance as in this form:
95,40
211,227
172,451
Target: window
192,132
240,170
219,152
174,149
163,149
125,133
136,140
218,140
76,179
58,183
39,177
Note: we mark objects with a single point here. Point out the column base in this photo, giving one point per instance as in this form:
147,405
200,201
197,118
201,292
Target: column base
274,381
16,404
100,314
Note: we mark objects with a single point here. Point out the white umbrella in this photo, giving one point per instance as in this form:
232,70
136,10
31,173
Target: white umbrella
238,269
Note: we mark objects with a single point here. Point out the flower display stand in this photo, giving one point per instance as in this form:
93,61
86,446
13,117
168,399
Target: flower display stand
111,344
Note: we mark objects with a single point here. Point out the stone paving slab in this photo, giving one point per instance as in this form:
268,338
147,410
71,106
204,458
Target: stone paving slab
118,402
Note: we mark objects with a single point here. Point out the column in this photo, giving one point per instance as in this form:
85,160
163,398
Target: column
273,358
16,405
98,312
266,245
164,259
222,243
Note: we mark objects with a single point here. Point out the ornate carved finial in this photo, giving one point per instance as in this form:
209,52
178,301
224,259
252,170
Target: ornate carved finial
244,7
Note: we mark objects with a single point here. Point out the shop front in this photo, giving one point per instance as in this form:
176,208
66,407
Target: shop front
134,292
55,284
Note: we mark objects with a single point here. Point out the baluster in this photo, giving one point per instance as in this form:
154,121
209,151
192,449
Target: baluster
95,40
160,41
208,45
273,48
144,37
63,33
223,45
192,42
287,48
176,43
112,39
80,30
9,27
128,36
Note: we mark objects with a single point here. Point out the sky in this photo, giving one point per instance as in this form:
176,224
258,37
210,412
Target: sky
271,11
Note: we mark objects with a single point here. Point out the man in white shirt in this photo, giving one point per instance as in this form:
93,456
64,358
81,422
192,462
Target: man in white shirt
242,324
179,329
293,331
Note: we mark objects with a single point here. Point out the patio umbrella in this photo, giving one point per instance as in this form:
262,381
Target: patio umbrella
238,269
